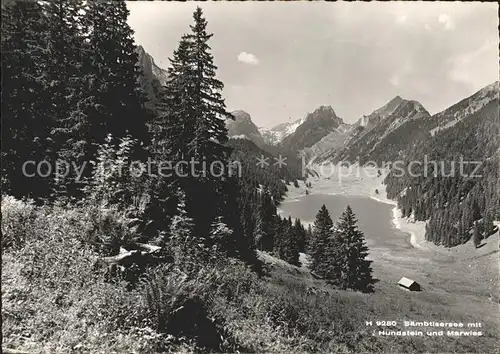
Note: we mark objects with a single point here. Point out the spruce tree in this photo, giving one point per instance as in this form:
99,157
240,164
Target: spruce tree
291,254
285,242
169,134
114,61
322,232
196,114
264,225
248,222
309,237
63,65
175,124
354,271
240,244
207,193
26,122
300,235
280,229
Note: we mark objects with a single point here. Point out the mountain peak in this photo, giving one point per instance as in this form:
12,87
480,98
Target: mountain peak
325,109
323,113
417,105
316,125
140,49
396,100
242,125
241,115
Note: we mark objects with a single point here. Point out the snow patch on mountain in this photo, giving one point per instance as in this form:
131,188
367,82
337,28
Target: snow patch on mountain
276,134
241,136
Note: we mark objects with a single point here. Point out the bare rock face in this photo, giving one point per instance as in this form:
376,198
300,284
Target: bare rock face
153,77
242,127
315,127
385,133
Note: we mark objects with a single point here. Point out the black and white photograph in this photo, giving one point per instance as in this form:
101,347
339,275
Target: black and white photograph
250,177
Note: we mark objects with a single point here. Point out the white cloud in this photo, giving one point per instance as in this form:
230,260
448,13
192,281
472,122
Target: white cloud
248,58
394,80
476,67
446,21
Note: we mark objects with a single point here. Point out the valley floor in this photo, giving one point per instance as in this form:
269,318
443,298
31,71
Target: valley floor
459,283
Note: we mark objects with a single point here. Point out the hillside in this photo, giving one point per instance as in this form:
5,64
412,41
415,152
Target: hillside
454,195
468,106
336,140
384,135
446,297
253,176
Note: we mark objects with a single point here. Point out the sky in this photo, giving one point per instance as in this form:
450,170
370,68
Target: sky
280,60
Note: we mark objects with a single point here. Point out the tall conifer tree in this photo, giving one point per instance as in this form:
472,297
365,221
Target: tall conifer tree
196,114
26,121
117,106
210,133
264,225
350,252
322,232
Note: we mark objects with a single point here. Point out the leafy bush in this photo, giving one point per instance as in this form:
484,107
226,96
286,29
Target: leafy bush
16,218
109,229
179,305
117,180
54,297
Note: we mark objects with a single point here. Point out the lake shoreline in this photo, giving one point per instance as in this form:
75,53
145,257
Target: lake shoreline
366,183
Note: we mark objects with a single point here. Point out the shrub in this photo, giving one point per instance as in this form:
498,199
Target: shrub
108,230
180,304
54,297
17,216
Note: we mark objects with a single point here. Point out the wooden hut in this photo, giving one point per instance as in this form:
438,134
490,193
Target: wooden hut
408,284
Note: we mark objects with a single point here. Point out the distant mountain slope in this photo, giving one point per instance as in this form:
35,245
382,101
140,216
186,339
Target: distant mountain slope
383,135
149,67
452,195
377,116
316,125
255,176
452,115
243,126
335,140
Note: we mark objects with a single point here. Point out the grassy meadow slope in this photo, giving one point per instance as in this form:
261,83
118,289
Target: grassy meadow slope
459,283
56,300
